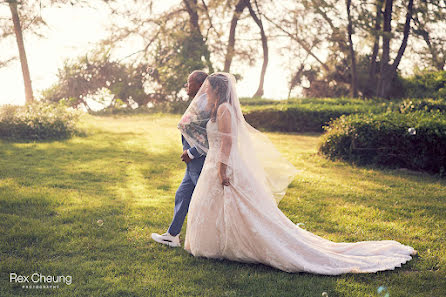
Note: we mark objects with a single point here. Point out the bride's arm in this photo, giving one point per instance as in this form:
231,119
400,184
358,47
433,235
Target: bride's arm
224,128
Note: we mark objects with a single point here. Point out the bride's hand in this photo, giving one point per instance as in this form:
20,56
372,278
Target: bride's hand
222,174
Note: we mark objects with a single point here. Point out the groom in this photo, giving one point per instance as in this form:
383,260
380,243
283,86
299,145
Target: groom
194,161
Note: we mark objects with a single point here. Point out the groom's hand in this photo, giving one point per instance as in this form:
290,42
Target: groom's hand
185,157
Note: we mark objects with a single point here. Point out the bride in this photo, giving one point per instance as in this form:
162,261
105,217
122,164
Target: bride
233,212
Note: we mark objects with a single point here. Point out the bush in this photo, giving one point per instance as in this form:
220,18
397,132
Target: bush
37,121
306,115
414,140
411,105
428,84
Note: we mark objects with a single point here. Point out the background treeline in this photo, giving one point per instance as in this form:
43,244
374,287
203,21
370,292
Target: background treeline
333,48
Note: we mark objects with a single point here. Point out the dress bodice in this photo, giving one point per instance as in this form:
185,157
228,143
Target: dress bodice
214,136
214,140
212,133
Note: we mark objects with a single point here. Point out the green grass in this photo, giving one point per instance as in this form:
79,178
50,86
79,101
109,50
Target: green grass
126,170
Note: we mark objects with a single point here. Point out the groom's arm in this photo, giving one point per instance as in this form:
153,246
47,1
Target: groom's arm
193,153
190,153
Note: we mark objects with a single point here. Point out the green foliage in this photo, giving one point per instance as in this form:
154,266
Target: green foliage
427,84
410,105
91,73
176,56
306,115
37,121
336,80
367,86
415,140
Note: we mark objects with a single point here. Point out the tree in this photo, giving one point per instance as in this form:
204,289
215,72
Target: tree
354,81
30,22
193,20
195,33
375,33
22,53
87,75
256,16
427,18
230,51
174,44
325,75
377,25
26,18
239,7
388,72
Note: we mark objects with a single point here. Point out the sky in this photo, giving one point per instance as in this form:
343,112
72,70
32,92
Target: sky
74,31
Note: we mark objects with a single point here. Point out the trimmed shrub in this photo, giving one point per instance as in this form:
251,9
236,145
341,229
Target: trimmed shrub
415,140
37,121
307,116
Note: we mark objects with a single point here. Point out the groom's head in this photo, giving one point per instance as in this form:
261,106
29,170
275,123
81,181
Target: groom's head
194,82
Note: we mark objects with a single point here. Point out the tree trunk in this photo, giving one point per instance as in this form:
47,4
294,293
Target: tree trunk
388,76
191,7
241,5
385,57
194,27
259,92
297,77
421,31
22,54
354,81
372,67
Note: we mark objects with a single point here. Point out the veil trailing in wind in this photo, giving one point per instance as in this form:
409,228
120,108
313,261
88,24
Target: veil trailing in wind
241,144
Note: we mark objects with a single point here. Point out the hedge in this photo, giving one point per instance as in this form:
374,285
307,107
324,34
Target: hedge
306,117
415,140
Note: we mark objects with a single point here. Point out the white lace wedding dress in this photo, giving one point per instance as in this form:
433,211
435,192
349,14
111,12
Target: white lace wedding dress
239,223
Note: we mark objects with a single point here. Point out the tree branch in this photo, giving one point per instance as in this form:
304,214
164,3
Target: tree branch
299,41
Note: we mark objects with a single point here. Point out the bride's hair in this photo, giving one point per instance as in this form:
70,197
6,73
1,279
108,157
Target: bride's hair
219,83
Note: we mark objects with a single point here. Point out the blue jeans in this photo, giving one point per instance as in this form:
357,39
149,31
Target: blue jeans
182,200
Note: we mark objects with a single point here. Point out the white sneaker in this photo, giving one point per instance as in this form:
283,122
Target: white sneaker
167,239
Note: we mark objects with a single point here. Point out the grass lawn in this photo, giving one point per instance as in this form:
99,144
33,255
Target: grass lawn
86,207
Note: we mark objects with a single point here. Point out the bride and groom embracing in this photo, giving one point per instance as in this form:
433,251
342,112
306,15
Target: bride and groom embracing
234,179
